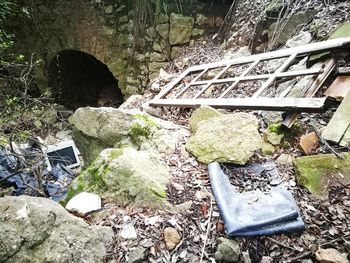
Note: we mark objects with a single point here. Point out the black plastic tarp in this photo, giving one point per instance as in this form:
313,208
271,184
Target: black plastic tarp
254,213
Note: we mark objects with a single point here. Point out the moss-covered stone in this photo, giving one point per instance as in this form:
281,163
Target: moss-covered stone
273,134
317,172
180,29
125,176
229,138
202,113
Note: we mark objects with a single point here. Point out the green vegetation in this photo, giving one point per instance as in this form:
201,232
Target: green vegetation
141,129
316,172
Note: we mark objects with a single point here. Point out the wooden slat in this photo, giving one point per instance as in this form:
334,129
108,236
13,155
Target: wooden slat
244,73
314,47
293,73
273,77
261,103
311,90
306,49
339,88
211,81
339,123
189,85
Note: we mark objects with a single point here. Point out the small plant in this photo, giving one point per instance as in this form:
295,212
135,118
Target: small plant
141,129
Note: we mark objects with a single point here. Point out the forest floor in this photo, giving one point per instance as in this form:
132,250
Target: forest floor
200,226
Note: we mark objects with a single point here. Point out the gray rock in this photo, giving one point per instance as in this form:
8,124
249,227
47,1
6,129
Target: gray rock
228,250
201,20
106,124
125,176
89,147
285,159
229,138
291,26
157,57
301,39
151,32
138,255
100,128
154,68
267,149
163,30
34,229
273,137
176,51
180,29
197,32
201,114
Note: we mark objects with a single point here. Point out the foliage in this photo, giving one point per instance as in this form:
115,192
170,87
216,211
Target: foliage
141,129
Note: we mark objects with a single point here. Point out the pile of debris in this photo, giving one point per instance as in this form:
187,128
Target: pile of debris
38,170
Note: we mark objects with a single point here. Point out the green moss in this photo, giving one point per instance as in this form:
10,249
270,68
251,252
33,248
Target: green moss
145,119
141,128
314,172
116,153
94,176
275,128
75,188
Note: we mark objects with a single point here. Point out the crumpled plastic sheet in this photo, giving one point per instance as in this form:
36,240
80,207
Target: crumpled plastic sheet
254,213
54,183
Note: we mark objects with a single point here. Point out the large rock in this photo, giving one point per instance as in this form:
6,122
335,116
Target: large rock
202,113
125,176
285,33
229,138
180,29
100,128
34,229
317,172
109,125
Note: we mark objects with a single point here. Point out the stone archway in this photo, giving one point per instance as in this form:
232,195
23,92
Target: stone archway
78,79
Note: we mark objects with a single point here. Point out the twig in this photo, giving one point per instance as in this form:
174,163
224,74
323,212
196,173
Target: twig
282,244
208,229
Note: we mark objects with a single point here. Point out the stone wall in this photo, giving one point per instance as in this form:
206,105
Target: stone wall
106,30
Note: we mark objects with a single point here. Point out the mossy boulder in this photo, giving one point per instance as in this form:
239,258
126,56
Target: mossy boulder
109,125
317,172
180,29
100,128
231,138
126,176
202,113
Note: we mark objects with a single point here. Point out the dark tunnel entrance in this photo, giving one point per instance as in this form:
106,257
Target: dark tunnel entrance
78,79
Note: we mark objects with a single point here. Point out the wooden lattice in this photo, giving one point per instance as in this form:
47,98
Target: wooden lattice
215,84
